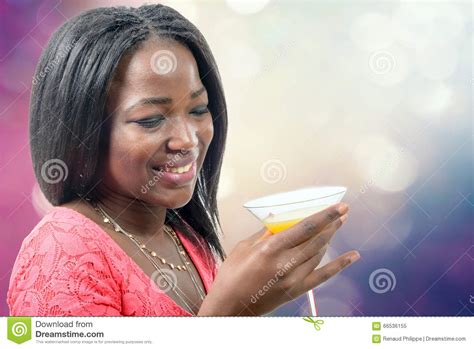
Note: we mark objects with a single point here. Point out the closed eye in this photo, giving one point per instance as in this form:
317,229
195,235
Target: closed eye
200,110
150,122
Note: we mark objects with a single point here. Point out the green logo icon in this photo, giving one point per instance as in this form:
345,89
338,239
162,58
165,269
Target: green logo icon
376,338
316,323
19,329
376,326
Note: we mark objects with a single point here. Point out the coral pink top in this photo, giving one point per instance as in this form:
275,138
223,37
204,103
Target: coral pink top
69,266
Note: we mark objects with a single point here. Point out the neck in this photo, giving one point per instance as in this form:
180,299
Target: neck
133,215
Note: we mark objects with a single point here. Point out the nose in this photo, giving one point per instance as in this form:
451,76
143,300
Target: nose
183,134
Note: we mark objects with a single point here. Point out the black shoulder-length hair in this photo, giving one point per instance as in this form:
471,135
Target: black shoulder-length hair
68,106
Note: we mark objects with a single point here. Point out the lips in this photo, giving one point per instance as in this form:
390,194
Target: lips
176,164
176,178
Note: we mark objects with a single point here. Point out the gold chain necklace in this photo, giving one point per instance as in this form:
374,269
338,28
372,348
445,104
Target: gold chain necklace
142,246
185,258
151,255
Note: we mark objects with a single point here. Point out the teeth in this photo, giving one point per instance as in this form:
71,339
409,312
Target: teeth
179,169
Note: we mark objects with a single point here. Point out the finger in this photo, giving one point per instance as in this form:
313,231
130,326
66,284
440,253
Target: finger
327,271
312,246
309,226
309,265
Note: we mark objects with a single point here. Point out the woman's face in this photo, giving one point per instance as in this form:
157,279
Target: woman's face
159,122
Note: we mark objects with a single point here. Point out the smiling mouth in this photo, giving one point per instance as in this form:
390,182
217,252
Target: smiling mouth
182,169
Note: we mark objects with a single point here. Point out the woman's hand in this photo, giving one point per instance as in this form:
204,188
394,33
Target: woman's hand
265,271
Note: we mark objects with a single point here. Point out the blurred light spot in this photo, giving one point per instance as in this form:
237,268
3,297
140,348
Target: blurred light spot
385,165
390,236
247,7
243,61
417,24
372,31
431,99
412,25
437,62
377,102
187,8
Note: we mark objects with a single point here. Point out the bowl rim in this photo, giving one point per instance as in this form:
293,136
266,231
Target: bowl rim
248,203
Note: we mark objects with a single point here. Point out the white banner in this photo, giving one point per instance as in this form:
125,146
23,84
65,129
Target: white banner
239,332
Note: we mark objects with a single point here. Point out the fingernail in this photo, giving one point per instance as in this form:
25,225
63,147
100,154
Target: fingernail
342,208
354,257
344,218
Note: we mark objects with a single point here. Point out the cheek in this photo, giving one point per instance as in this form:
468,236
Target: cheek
128,150
207,133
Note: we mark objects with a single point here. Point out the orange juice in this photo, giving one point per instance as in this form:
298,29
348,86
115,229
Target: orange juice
279,222
277,227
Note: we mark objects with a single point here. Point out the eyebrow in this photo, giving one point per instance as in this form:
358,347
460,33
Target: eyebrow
162,100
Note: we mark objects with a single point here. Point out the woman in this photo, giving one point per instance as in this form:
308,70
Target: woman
129,104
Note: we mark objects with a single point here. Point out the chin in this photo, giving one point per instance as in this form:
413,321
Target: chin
174,198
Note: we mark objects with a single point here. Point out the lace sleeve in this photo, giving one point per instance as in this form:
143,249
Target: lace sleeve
61,271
